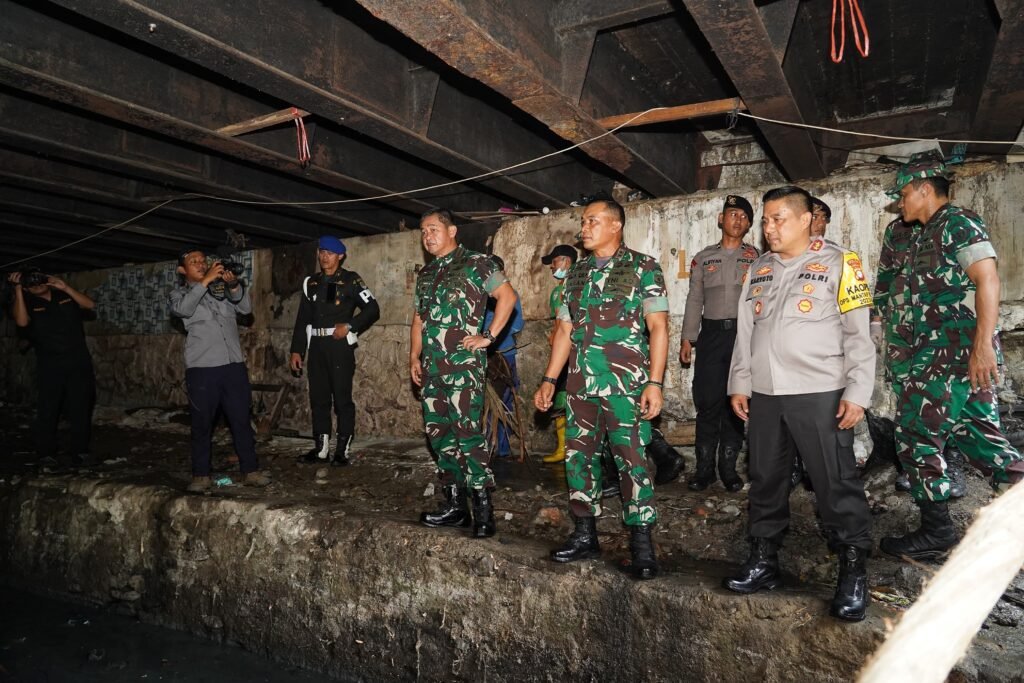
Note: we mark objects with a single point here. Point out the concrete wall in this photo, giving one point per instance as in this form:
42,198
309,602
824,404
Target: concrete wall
147,370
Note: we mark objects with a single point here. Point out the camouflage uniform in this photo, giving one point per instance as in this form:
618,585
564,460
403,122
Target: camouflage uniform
608,369
451,299
925,299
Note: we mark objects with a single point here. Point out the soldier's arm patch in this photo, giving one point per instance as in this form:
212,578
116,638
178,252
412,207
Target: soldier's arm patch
655,304
979,251
854,291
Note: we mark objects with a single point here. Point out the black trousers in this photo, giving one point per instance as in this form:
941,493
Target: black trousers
65,383
331,364
810,421
716,423
225,387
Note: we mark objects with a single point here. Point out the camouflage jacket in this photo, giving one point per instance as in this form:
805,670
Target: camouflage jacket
451,300
555,300
923,294
716,279
606,307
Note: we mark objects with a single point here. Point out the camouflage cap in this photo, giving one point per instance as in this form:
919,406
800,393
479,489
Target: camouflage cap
921,165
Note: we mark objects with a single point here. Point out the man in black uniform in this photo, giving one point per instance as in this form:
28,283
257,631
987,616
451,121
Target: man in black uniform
328,325
51,310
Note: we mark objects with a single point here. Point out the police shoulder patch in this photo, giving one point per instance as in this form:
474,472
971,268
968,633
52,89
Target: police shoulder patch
853,292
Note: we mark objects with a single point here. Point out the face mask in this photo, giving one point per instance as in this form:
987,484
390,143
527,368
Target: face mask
561,273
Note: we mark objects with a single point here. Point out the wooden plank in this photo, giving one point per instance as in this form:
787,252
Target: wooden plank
261,122
683,111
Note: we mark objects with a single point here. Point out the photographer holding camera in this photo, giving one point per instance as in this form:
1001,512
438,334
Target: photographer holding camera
207,300
50,310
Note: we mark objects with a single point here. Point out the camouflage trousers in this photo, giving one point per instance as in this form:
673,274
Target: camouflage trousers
452,419
588,420
930,411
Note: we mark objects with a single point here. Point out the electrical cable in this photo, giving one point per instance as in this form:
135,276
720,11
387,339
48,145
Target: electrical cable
195,195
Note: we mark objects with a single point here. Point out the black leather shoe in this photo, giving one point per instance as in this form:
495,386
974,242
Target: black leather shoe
341,451
582,542
851,599
321,451
705,474
644,565
453,512
932,541
760,571
483,514
902,482
727,457
796,475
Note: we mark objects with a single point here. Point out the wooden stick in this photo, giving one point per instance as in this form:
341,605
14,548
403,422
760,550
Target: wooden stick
935,633
265,121
685,111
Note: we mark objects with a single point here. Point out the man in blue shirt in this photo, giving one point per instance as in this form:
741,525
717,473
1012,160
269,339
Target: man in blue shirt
505,344
207,301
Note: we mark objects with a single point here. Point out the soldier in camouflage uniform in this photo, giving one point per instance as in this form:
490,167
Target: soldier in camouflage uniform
560,260
938,291
614,384
447,361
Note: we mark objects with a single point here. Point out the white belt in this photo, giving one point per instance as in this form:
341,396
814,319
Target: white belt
322,331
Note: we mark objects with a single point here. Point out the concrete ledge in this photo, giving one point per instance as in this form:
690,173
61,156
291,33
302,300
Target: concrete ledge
367,597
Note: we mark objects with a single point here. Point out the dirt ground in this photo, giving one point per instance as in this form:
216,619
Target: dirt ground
697,532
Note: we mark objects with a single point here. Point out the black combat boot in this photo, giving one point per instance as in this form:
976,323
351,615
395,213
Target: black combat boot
581,544
902,483
321,451
931,541
453,512
609,473
341,451
668,463
851,599
727,457
955,471
796,475
705,474
641,548
483,514
761,570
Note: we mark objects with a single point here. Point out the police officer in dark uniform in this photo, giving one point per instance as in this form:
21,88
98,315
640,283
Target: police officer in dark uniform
51,311
327,324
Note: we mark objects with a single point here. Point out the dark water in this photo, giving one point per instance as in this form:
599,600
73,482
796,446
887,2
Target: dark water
45,640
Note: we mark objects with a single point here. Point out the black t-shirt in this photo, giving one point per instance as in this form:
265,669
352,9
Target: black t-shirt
55,326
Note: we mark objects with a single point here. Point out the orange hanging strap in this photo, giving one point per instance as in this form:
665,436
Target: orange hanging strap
859,28
301,139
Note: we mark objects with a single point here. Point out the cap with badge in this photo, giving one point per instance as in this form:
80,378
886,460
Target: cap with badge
818,204
921,165
560,250
734,201
331,244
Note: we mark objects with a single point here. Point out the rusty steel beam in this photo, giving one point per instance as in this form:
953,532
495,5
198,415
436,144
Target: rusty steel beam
65,92
17,216
304,60
101,196
32,127
1000,112
20,256
737,34
599,15
519,66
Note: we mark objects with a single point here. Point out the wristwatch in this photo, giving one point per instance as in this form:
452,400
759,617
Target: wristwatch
486,334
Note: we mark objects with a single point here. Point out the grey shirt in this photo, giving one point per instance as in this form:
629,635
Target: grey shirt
716,279
803,327
210,324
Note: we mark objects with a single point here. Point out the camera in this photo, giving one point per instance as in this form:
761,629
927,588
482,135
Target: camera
233,266
33,278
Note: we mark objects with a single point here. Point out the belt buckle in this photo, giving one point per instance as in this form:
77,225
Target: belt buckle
728,324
